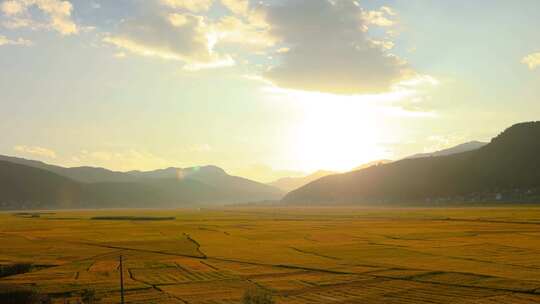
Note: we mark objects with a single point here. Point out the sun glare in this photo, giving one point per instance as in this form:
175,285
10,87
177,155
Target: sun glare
337,134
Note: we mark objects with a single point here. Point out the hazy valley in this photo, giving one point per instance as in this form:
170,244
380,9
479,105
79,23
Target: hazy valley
505,170
269,152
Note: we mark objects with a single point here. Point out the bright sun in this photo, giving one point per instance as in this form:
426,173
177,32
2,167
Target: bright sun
337,135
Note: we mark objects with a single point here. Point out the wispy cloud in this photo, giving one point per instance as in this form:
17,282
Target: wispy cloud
384,16
190,5
19,14
19,41
238,7
176,36
532,60
180,30
35,151
405,98
124,160
246,34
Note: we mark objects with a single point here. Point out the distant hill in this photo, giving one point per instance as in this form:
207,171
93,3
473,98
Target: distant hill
288,184
509,165
466,147
225,187
291,183
80,174
372,163
101,188
23,187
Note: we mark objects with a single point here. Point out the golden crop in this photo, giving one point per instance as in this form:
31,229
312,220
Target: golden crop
319,255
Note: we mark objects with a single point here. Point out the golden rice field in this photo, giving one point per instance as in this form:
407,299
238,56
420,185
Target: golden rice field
321,255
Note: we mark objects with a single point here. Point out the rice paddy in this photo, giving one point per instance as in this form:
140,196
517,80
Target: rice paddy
319,255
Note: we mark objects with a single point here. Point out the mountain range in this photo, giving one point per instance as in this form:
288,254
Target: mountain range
508,168
28,184
466,147
288,184
372,163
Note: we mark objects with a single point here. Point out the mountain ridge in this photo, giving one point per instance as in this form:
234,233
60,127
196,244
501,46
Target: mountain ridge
464,147
291,183
85,174
103,188
510,162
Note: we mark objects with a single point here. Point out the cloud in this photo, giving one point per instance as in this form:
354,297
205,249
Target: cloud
20,41
330,50
57,13
190,5
312,45
382,17
124,160
231,30
407,98
532,60
35,151
237,7
226,61
184,37
11,8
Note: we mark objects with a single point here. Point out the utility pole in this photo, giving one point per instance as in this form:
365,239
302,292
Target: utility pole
121,281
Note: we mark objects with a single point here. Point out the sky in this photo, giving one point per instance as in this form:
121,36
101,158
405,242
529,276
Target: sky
264,89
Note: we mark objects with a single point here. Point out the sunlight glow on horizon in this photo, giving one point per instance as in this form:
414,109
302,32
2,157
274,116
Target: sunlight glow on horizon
335,133
342,132
337,139
264,89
